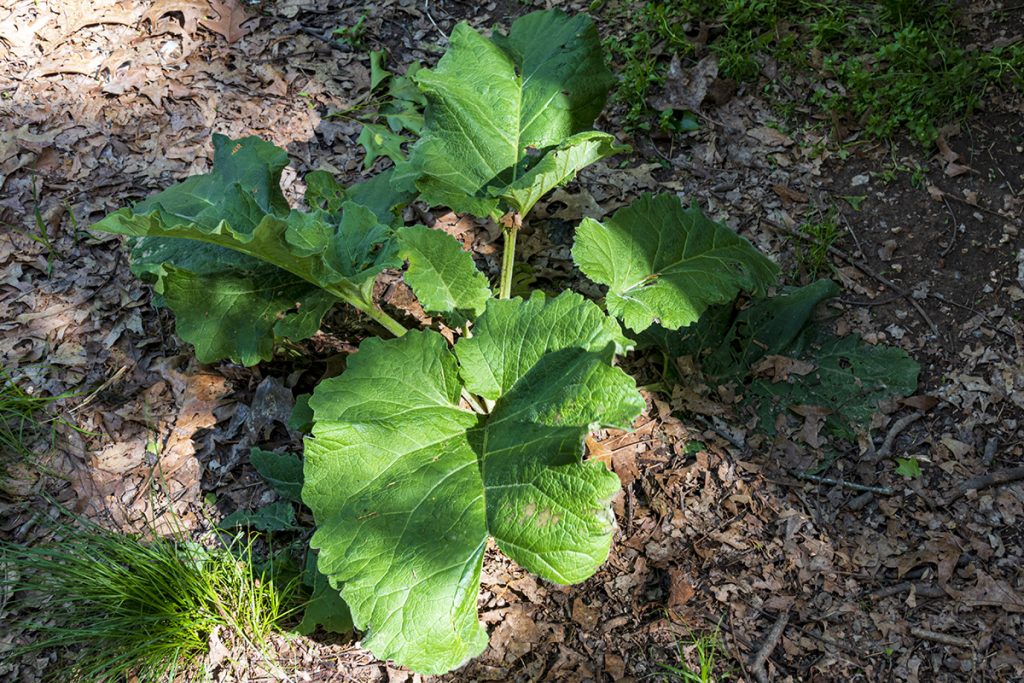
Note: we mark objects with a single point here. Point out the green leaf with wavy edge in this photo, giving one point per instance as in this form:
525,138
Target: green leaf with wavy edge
666,264
237,266
852,379
239,314
279,516
283,471
442,274
325,608
381,193
728,342
507,117
406,486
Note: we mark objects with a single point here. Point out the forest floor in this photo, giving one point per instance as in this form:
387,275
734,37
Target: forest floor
917,577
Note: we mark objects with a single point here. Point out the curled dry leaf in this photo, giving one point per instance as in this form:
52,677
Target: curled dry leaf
686,89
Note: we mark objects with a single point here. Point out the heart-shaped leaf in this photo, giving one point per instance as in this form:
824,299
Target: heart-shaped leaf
507,117
406,486
663,263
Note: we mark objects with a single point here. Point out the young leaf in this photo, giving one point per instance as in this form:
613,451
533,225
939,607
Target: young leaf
278,516
380,141
406,486
283,471
325,607
442,274
238,267
504,114
908,467
663,263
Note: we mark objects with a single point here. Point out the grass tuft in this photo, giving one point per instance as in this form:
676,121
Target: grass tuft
24,423
703,650
813,257
125,607
884,66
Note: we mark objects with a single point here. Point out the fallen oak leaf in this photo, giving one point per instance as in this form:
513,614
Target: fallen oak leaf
230,17
191,11
991,592
814,420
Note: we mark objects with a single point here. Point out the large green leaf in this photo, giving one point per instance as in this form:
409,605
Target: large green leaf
380,193
663,263
507,117
406,486
729,342
442,274
237,266
851,379
239,313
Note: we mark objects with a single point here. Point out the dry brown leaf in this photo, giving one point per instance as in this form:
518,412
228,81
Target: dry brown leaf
585,615
614,666
680,590
959,449
192,11
771,137
788,194
230,17
779,368
685,89
991,592
920,402
943,553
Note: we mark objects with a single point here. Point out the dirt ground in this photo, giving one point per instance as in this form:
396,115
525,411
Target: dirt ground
921,579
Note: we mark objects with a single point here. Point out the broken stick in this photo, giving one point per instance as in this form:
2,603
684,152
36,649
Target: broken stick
757,664
983,481
943,638
880,490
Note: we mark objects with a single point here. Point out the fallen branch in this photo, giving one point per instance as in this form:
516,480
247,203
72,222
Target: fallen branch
983,481
894,431
880,490
942,638
757,664
864,268
925,590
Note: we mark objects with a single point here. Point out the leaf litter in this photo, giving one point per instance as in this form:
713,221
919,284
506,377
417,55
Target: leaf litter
111,100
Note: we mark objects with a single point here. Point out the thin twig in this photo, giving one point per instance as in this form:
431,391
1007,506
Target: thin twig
849,229
943,638
426,11
983,481
89,399
993,212
939,297
864,268
925,590
956,227
880,490
886,449
757,664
